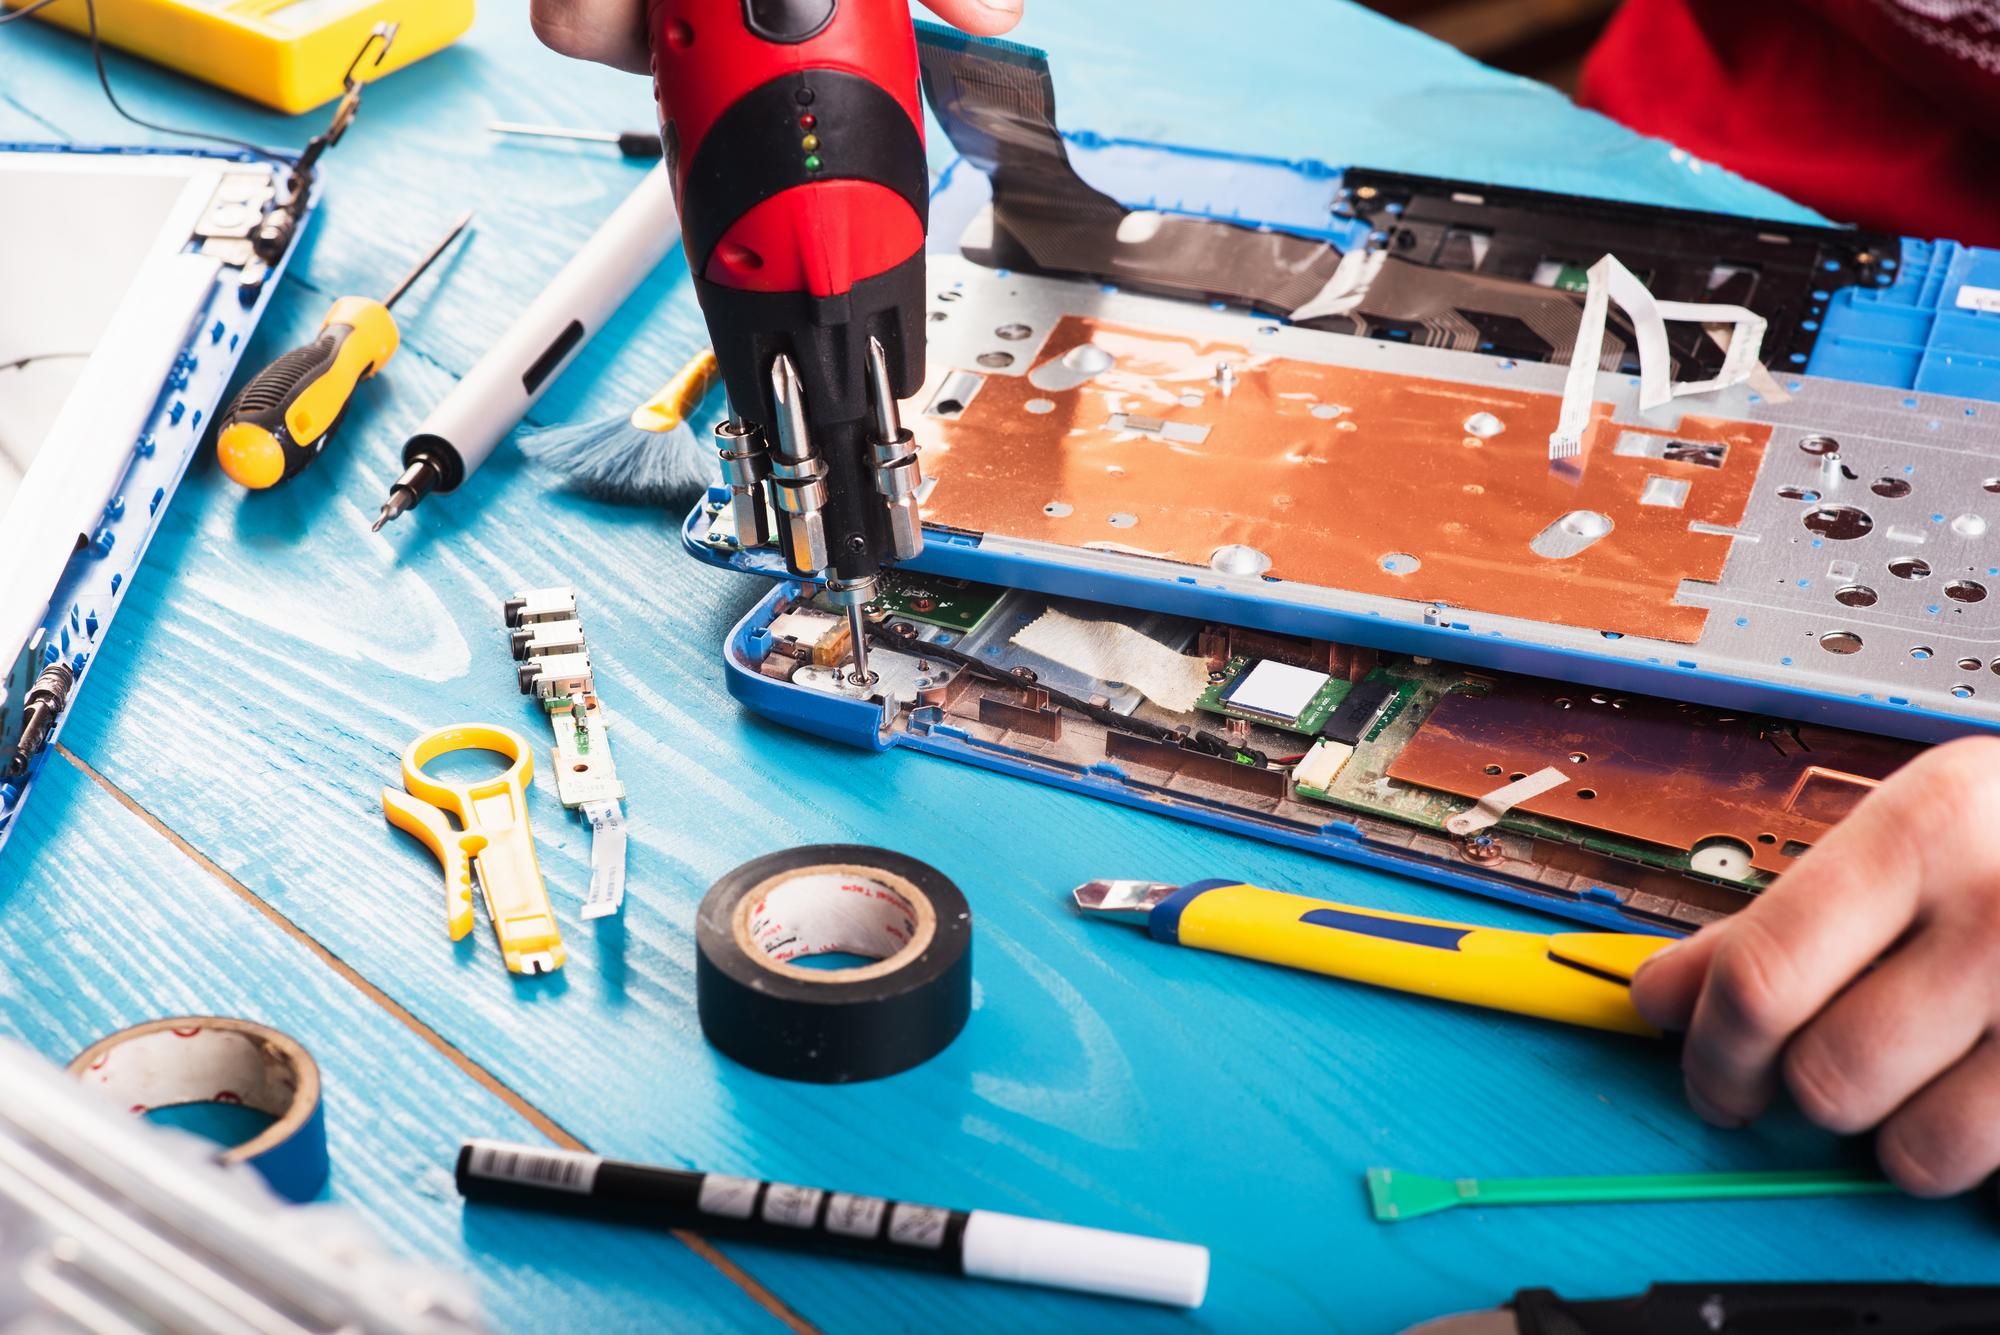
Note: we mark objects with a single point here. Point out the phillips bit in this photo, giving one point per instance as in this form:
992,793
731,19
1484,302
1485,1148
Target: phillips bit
798,474
894,460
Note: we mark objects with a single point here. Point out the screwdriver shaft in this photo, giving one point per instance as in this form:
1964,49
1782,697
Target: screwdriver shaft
409,279
553,132
857,622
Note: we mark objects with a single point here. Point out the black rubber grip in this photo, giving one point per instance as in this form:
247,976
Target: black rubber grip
270,394
640,144
1767,1309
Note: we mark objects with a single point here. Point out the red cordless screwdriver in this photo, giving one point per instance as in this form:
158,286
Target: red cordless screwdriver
794,135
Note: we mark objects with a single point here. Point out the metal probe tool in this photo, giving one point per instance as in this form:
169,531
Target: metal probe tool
636,144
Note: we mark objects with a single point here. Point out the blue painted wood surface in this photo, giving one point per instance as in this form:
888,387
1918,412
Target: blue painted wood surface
274,658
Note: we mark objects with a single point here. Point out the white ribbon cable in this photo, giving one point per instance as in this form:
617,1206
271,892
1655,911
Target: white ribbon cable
1611,281
607,859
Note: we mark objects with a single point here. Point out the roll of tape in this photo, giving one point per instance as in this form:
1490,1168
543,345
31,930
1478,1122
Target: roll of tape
208,1059
832,1026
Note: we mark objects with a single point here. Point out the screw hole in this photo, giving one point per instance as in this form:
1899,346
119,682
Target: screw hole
1965,591
1855,595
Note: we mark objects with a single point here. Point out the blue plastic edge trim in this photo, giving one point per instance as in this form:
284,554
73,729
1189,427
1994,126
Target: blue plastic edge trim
92,586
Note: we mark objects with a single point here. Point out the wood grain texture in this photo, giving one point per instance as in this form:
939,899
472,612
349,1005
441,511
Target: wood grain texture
107,924
274,658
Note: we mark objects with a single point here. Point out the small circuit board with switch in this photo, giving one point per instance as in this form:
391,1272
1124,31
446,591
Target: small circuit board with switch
554,667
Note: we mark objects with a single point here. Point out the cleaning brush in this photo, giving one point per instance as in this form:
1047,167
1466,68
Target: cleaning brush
649,458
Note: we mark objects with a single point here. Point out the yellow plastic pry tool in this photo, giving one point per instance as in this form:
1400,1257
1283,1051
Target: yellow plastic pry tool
1581,978
491,842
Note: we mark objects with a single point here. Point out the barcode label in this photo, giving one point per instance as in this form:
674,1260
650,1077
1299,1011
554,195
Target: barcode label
918,1225
730,1197
855,1216
791,1207
560,1170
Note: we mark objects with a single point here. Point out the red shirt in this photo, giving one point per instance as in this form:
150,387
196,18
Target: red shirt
1879,112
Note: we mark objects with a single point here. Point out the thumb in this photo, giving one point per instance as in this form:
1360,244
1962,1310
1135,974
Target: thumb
1667,985
981,18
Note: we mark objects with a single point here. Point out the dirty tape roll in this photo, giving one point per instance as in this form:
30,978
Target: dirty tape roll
209,1059
833,1025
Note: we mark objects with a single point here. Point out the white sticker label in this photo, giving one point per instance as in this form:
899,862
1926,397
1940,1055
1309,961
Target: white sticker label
1986,299
730,1197
855,1216
791,1207
918,1225
562,1170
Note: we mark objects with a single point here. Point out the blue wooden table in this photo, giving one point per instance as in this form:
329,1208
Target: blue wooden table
211,840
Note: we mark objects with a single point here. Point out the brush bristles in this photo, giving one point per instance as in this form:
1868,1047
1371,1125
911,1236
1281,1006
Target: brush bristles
612,460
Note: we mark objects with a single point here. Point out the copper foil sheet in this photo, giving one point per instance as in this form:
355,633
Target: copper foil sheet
1358,480
1668,774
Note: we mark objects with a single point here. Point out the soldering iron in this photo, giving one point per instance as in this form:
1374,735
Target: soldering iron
794,136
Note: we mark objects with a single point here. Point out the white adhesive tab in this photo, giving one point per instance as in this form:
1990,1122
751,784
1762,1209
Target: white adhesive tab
1087,1260
1985,299
1487,812
1110,651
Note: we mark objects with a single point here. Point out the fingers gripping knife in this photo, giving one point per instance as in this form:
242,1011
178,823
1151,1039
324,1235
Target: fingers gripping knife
794,137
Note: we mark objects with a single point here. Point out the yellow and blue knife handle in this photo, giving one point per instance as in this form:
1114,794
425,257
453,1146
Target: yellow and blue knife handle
1521,972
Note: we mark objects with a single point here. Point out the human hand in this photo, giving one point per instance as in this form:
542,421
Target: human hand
1867,979
613,32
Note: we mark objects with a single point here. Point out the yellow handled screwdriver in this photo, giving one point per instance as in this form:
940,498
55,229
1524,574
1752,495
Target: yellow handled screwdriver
1581,978
282,419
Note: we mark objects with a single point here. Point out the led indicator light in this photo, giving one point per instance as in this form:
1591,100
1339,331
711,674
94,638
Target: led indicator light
807,121
812,163
809,143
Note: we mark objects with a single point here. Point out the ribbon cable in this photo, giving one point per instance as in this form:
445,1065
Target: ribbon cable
607,858
1611,281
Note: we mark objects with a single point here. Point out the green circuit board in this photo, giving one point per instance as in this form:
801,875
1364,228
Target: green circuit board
1310,719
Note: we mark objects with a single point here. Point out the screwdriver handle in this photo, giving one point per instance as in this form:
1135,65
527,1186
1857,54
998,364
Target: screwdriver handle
642,145
282,419
1777,1309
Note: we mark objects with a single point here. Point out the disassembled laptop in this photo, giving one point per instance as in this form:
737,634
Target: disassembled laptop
134,279
1258,572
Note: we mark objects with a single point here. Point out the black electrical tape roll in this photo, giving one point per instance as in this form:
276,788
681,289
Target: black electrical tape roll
831,1026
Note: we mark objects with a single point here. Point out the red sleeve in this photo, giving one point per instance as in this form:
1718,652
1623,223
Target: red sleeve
1880,112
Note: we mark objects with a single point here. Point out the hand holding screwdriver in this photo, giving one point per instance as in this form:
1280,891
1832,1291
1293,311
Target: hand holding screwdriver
282,419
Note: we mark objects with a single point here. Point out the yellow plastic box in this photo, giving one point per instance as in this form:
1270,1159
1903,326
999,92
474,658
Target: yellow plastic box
286,54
